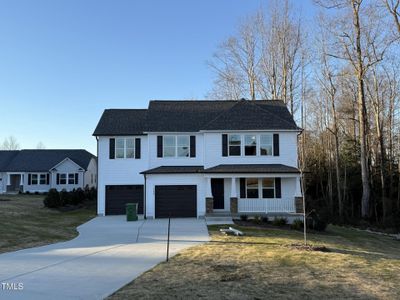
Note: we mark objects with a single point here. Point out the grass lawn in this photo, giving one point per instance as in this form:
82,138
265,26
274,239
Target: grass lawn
263,265
25,222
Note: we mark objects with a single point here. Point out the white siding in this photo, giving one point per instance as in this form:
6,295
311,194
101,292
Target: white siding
67,166
287,151
175,161
3,182
91,172
40,188
175,179
119,171
208,154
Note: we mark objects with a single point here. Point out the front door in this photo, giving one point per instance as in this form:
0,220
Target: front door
217,188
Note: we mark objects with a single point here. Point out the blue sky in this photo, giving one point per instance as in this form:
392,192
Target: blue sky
63,62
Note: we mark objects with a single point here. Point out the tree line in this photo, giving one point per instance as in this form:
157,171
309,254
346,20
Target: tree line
339,76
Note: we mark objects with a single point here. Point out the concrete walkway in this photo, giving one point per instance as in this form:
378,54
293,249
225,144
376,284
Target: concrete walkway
108,253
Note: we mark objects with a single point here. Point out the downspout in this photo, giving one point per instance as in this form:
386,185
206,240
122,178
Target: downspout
144,200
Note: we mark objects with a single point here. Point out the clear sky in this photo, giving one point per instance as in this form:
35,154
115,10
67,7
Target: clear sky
63,62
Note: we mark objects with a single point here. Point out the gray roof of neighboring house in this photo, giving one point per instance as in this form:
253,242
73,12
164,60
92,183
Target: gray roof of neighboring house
192,116
252,168
247,168
6,156
175,170
42,160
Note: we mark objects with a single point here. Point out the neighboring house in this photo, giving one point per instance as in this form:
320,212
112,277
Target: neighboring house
41,170
192,158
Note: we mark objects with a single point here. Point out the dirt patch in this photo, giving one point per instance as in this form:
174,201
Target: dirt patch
309,247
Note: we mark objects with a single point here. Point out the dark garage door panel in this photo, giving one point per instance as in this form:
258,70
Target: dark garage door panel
178,200
118,195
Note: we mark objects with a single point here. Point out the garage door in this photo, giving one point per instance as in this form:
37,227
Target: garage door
178,201
118,195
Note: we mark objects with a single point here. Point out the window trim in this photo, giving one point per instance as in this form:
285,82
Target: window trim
125,147
260,188
272,144
258,144
176,146
240,146
67,179
38,179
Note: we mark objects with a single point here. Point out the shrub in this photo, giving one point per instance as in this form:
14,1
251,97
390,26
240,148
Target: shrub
265,219
279,221
315,222
257,219
297,225
77,196
52,199
243,217
65,198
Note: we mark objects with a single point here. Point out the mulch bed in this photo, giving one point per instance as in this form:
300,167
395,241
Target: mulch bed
261,225
309,247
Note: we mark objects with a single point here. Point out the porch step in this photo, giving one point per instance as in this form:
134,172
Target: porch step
218,218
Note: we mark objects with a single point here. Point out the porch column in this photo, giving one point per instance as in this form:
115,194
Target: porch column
8,179
298,197
234,199
21,179
209,197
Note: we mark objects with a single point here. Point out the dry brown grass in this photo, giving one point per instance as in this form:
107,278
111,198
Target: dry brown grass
260,265
25,222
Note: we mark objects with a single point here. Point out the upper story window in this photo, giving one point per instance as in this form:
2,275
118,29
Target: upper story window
124,148
250,145
176,146
234,144
266,144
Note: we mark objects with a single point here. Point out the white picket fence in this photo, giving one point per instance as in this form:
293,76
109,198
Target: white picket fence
266,205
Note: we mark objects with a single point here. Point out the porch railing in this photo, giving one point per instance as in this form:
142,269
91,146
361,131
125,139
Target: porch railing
266,205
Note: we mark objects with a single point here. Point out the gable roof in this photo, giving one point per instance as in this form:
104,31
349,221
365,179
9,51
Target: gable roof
42,160
193,116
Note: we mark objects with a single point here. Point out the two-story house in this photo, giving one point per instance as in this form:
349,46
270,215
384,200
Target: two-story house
192,158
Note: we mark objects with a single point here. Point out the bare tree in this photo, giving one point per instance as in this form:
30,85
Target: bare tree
40,145
360,41
393,6
10,143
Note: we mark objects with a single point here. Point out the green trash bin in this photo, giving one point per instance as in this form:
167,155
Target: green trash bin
131,212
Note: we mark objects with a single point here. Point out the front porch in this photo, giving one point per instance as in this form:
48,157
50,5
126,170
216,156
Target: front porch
253,194
15,182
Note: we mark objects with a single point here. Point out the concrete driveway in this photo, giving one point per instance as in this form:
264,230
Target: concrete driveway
108,253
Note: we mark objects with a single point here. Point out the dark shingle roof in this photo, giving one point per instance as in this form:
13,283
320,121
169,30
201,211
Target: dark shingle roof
252,168
122,122
192,116
6,156
43,160
174,170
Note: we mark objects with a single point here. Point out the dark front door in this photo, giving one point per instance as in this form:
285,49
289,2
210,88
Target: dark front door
217,188
117,196
177,201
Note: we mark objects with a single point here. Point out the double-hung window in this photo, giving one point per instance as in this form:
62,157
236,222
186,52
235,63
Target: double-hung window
43,179
63,178
268,188
266,144
124,148
176,146
250,145
34,179
71,178
252,188
234,144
